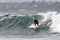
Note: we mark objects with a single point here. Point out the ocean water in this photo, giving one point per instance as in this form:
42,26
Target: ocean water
17,27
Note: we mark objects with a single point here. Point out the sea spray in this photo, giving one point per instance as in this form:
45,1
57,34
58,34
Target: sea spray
55,27
55,23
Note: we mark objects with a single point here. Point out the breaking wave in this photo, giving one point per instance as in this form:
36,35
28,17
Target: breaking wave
48,21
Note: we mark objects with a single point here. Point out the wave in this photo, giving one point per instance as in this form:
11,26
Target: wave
54,25
47,21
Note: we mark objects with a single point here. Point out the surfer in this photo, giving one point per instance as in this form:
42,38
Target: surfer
36,22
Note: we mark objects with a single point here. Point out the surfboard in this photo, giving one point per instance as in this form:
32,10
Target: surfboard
33,26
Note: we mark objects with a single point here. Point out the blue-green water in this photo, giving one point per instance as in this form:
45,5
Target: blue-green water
22,23
17,27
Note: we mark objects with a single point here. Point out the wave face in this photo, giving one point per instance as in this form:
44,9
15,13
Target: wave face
20,24
14,24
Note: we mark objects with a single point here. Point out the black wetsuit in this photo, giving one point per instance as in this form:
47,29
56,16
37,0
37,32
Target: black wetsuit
36,22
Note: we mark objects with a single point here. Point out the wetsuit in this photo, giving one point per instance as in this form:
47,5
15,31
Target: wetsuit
36,22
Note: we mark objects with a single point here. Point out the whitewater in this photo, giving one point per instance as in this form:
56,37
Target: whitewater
18,26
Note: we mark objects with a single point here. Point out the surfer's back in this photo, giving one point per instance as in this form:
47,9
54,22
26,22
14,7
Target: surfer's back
36,22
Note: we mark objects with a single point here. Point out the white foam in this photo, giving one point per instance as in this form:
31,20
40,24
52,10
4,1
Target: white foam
46,16
55,17
55,27
3,16
33,26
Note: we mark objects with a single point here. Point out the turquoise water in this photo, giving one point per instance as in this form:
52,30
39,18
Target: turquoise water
21,23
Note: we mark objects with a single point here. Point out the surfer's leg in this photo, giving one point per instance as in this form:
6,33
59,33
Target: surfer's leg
37,23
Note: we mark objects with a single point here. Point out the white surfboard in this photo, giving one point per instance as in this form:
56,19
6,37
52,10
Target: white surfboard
33,26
